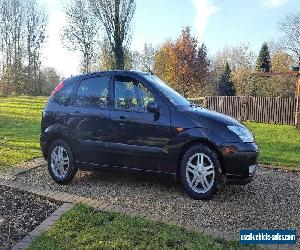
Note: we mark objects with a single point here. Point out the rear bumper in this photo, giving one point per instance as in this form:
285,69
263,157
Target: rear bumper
240,162
43,144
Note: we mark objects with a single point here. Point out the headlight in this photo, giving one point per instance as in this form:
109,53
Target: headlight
242,132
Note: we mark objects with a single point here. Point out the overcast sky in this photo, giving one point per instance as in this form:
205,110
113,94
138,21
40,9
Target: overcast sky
218,23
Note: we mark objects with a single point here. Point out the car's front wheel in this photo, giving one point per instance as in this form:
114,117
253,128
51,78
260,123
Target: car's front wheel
61,162
200,172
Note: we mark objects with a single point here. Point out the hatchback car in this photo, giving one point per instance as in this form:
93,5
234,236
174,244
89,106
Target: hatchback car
135,120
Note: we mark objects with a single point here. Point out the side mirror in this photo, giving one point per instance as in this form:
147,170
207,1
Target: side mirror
152,107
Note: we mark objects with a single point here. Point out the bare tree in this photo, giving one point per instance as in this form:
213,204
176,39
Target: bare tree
36,22
12,43
49,79
147,57
81,31
290,26
116,17
22,33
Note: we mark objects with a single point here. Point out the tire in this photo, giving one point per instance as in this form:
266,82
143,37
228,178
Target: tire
61,162
200,163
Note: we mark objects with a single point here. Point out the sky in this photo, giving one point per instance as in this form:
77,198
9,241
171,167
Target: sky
217,23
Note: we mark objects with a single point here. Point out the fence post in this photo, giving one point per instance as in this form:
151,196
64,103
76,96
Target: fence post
205,102
245,102
297,115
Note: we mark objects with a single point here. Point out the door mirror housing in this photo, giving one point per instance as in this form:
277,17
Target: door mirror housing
152,107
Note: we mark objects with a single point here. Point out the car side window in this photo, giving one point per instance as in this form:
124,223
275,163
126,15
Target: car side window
93,92
127,94
64,95
147,95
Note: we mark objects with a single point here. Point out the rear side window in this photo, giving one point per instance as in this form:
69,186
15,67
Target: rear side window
63,96
93,92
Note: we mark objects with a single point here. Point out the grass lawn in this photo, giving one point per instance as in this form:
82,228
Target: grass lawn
279,144
19,129
85,228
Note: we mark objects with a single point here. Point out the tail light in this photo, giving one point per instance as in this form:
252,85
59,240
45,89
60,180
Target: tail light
58,88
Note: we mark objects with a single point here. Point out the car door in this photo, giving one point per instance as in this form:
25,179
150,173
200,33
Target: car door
89,120
139,139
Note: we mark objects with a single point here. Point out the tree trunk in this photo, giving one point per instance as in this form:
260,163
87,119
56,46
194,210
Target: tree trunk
118,48
119,56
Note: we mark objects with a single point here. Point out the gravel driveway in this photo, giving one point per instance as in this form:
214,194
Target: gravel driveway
21,212
272,201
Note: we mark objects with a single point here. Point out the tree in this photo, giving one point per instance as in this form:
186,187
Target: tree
183,64
81,32
36,22
241,60
106,56
226,87
185,60
12,15
281,86
115,16
22,34
147,58
49,79
263,63
202,68
164,63
290,27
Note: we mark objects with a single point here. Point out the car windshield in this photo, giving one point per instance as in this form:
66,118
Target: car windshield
170,93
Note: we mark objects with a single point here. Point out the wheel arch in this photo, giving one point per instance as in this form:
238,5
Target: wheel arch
50,135
199,141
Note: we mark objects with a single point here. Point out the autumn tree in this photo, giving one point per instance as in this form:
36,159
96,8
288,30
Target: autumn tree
185,57
115,17
164,63
184,64
81,32
263,63
290,27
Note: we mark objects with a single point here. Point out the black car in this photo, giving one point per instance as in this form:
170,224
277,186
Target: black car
134,120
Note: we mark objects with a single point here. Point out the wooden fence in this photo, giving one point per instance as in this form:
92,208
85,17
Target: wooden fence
258,109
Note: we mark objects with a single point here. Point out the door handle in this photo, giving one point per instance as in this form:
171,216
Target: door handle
122,119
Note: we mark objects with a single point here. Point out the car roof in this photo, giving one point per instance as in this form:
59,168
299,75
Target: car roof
109,72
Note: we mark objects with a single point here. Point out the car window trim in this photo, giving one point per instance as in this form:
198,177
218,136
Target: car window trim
138,82
95,107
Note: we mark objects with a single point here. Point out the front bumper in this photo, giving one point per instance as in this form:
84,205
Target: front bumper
239,162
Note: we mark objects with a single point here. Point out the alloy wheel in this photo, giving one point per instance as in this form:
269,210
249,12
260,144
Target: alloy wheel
60,162
200,173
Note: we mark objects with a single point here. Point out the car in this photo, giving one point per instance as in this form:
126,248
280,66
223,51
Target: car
134,120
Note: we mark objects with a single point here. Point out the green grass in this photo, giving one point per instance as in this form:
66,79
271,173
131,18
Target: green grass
85,228
19,129
279,144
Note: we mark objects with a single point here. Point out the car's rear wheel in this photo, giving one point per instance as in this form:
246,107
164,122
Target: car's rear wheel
61,162
200,172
